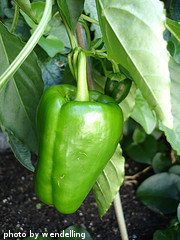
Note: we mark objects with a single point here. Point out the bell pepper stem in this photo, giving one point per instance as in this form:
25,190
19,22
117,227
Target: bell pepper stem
82,86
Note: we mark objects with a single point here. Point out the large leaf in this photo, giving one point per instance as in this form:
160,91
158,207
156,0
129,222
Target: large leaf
108,183
173,136
20,97
134,39
71,10
143,114
160,192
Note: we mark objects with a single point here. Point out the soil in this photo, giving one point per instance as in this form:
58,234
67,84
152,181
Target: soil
21,211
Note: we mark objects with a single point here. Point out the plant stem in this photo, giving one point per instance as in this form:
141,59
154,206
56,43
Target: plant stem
137,175
89,19
10,71
71,35
82,87
15,19
120,217
115,66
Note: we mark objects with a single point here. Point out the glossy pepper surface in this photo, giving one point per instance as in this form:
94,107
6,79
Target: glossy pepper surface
76,140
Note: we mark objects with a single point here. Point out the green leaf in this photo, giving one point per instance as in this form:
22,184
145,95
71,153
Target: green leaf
71,10
20,97
173,27
167,234
109,182
21,152
37,9
176,49
144,56
51,41
178,212
128,103
161,163
51,45
90,9
175,169
143,114
139,136
25,6
143,152
75,233
160,192
58,29
173,135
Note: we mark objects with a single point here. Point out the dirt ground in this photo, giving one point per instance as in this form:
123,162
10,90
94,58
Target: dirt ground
21,211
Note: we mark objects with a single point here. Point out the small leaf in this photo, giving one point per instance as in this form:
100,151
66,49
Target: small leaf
37,8
176,49
51,45
71,11
147,60
109,182
20,97
58,30
75,233
173,27
21,152
25,6
143,152
139,136
160,192
128,103
175,169
167,234
51,41
143,114
161,163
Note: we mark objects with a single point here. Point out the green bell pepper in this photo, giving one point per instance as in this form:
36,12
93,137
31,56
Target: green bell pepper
78,134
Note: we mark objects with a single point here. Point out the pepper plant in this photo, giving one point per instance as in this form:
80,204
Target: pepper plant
130,50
